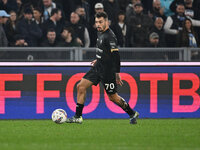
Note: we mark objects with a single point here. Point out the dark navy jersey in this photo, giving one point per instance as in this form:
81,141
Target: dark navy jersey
107,53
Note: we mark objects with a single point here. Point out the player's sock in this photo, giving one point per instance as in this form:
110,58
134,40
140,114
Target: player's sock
79,109
125,106
129,111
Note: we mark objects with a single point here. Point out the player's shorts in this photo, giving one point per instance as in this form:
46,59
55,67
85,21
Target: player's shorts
107,79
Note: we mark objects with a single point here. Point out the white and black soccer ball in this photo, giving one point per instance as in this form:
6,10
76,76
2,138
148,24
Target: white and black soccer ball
59,116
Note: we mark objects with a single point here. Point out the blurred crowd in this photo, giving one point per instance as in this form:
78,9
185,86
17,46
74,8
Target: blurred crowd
70,23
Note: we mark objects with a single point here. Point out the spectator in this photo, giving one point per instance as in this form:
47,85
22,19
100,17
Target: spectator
20,41
157,10
54,22
193,12
147,6
48,6
19,9
98,7
166,4
82,14
120,29
92,28
153,40
138,28
86,6
92,6
130,9
123,4
29,29
37,15
68,38
174,24
50,40
158,28
5,17
191,7
111,7
3,38
80,30
68,6
8,5
174,4
10,28
187,37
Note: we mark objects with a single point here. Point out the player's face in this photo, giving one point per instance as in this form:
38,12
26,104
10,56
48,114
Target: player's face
101,24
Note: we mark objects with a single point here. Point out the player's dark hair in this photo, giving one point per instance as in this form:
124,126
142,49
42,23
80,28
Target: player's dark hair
101,14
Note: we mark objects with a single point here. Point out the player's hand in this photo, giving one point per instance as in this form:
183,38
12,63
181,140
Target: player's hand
118,79
93,62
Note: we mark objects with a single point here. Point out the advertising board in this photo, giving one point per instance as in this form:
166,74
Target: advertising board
156,90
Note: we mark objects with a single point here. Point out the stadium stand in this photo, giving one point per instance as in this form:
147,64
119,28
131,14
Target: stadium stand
31,37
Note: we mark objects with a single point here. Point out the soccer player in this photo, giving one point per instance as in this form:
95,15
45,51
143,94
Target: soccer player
105,69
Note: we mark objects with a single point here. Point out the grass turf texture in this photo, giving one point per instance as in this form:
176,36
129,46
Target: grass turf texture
150,134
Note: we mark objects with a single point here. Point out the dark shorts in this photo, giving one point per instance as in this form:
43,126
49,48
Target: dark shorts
108,79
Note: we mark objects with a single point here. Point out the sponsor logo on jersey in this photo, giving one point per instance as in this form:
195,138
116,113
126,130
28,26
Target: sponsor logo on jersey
98,56
99,50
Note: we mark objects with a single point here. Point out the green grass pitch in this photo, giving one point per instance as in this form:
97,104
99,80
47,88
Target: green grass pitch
101,134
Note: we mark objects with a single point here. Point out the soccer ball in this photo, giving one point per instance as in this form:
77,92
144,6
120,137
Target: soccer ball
59,116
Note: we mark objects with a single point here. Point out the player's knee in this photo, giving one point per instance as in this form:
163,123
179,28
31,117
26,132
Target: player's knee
81,88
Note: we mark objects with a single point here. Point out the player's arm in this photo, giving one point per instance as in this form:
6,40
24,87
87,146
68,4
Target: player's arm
116,58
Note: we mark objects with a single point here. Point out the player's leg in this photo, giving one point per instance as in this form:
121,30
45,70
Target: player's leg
90,78
111,89
81,94
125,106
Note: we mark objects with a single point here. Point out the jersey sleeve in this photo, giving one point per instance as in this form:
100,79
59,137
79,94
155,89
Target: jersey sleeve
114,53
